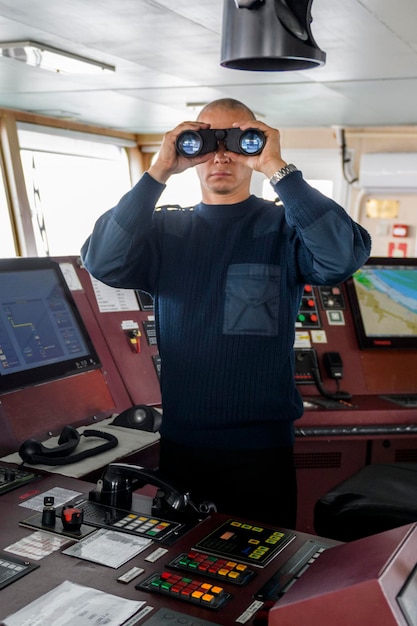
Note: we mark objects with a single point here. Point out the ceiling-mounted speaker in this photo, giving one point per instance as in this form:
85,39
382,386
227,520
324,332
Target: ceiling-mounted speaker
269,36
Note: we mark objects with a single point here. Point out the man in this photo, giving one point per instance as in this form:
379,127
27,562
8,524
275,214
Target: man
227,277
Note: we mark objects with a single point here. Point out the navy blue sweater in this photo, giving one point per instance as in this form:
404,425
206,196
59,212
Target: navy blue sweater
227,282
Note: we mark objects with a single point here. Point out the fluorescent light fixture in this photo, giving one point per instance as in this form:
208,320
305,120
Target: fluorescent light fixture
52,59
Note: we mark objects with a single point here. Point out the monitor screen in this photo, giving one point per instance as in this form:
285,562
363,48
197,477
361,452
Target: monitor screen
383,296
42,335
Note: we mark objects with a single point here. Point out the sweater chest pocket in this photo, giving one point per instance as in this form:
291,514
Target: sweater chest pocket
252,299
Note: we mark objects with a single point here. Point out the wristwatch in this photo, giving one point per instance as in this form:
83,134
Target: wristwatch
277,176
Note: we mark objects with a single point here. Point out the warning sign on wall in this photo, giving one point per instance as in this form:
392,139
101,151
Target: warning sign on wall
397,248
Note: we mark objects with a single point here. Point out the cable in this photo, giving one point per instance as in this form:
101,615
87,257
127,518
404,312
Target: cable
346,159
339,395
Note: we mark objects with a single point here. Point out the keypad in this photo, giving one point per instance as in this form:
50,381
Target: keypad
213,567
11,478
169,617
242,542
142,524
185,588
132,522
12,568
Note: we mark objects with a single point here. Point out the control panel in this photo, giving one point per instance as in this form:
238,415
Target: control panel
329,363
324,298
308,313
122,326
331,298
12,478
220,570
327,352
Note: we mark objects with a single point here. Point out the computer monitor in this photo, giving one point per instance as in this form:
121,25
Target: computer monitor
383,297
42,335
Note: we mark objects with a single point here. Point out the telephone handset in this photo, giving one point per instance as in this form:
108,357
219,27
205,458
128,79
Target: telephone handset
307,370
119,480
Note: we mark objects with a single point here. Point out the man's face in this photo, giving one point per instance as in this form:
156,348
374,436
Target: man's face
222,179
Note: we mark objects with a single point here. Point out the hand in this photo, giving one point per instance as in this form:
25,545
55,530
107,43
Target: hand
270,159
168,161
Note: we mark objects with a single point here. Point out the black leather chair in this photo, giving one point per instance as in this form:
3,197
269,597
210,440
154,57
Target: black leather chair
377,498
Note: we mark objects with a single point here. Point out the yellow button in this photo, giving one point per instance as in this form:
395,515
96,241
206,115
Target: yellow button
207,598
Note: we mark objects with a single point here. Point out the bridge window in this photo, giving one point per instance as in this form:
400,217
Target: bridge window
71,178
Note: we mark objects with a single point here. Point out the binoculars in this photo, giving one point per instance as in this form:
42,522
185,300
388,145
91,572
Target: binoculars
191,143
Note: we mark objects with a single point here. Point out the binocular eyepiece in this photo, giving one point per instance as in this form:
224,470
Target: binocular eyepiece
191,143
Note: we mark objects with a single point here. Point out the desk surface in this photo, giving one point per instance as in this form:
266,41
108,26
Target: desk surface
57,567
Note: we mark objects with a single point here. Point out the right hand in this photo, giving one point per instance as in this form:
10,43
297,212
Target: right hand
168,161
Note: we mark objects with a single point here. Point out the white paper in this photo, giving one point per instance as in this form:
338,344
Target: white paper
37,545
302,339
70,604
108,547
61,496
111,299
70,276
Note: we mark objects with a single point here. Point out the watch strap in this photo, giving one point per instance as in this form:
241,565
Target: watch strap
280,174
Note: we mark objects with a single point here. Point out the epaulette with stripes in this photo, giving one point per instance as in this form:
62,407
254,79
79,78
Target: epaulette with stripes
173,207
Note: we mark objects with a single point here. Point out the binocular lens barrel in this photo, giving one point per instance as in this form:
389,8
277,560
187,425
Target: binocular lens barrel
191,143
252,142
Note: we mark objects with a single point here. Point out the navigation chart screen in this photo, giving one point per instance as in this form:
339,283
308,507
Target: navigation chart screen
385,303
41,333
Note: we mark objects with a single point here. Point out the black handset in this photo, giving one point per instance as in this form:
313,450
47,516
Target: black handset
334,368
307,370
333,364
119,480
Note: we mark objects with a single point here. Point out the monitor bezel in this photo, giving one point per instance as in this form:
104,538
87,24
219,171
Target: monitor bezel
68,367
386,341
407,597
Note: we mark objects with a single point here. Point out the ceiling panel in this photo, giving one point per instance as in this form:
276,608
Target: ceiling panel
167,54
